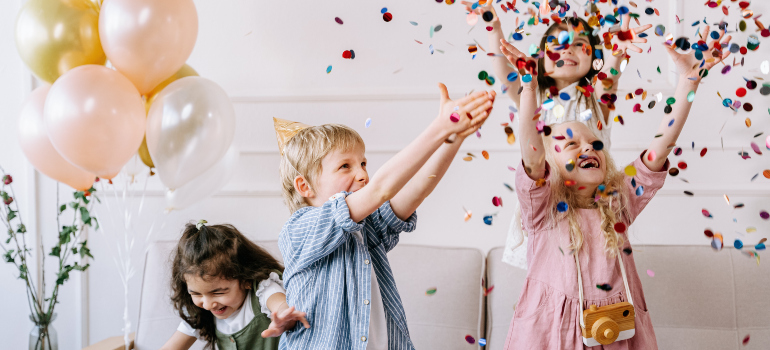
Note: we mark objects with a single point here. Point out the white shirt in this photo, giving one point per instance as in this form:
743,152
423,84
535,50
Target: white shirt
378,325
243,316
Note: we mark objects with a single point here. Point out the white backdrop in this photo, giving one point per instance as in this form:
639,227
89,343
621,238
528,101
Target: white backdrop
271,57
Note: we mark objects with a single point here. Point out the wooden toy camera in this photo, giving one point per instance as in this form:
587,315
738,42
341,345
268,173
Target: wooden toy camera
607,324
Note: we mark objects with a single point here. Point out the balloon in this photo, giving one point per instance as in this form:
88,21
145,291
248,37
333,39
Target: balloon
54,36
149,98
36,145
190,126
148,40
95,118
206,184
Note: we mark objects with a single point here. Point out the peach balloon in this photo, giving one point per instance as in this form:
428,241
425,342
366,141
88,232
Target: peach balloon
148,40
36,145
95,118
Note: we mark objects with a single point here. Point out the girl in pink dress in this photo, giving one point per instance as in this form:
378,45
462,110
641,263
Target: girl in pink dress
576,202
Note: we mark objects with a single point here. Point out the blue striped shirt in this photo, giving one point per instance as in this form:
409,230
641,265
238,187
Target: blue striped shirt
328,275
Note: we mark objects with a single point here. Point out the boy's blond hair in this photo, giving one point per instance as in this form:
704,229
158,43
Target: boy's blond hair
303,153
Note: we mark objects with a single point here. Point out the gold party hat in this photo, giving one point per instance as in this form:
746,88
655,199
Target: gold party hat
285,130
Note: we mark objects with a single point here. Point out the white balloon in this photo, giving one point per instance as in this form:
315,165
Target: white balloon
190,126
205,185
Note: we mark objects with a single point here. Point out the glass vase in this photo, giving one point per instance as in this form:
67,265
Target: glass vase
43,335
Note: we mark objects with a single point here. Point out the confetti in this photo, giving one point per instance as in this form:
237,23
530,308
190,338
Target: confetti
497,201
482,342
485,154
562,207
338,20
605,287
746,340
470,339
650,273
368,122
630,170
430,291
706,213
738,244
620,227
328,69
387,17
488,219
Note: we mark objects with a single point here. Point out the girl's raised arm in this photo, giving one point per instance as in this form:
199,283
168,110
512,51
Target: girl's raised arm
500,65
626,40
689,68
532,152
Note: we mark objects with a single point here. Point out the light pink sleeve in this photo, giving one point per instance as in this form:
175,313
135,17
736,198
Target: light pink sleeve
649,181
533,199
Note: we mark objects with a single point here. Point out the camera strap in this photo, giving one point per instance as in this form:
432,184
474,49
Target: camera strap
580,283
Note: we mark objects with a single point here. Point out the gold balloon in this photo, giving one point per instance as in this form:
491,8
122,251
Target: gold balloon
149,98
54,36
185,71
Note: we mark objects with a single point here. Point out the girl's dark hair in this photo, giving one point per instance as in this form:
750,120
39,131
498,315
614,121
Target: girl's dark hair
545,82
214,251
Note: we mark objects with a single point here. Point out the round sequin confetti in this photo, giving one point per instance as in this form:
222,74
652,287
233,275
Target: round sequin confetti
488,16
738,244
746,340
673,171
630,170
605,287
708,233
387,17
571,165
470,339
328,69
764,215
703,151
512,76
430,291
748,107
690,96
681,165
706,213
569,132
640,191
765,67
488,219
526,78
597,145
497,201
660,30
678,151
650,273
454,117
667,109
368,122
482,342
562,207
485,154
620,227
338,20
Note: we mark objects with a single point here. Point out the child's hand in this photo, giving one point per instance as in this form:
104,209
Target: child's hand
478,120
526,65
456,117
628,37
689,66
283,321
481,9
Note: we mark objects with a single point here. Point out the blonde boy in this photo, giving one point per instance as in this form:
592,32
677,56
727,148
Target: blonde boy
342,225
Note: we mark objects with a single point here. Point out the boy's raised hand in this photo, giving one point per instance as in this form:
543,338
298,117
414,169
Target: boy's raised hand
524,64
283,321
689,67
467,113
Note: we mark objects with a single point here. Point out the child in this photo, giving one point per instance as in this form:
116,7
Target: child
571,87
225,289
576,207
342,225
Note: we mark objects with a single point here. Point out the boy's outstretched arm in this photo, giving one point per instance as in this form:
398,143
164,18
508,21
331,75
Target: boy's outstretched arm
424,182
397,171
671,126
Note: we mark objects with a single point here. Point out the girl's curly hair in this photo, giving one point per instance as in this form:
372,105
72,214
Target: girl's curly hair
214,251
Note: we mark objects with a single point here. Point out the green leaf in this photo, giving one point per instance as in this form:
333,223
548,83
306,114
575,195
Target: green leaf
85,216
11,215
85,251
9,256
74,250
81,267
96,222
62,208
63,275
74,205
21,229
55,251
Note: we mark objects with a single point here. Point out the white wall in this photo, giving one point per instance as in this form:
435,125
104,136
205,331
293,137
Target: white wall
272,57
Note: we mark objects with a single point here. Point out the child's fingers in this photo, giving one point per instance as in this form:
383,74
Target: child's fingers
471,97
477,109
304,321
444,93
635,48
641,29
512,49
704,34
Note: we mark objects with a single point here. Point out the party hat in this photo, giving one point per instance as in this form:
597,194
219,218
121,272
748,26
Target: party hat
285,130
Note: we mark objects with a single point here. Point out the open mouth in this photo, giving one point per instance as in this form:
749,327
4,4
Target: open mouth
589,162
219,311
569,63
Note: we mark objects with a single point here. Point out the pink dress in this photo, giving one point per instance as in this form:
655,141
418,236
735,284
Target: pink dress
547,315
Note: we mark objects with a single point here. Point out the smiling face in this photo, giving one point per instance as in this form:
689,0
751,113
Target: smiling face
341,170
221,296
577,57
577,152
